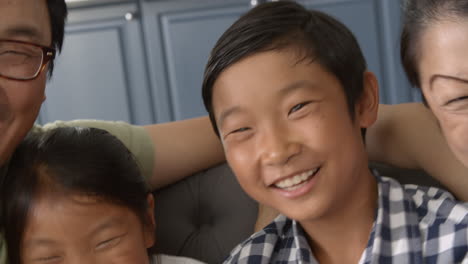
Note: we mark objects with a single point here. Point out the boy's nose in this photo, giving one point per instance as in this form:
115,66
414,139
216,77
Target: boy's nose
277,148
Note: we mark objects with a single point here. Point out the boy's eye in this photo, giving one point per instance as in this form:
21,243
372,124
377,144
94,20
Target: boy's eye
109,243
237,133
297,107
239,130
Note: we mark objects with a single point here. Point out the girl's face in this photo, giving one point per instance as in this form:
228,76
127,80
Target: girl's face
79,229
443,68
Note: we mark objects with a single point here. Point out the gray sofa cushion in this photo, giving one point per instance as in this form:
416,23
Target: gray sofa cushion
204,216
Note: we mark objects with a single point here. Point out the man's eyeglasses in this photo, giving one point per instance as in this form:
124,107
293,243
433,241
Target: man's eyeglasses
23,61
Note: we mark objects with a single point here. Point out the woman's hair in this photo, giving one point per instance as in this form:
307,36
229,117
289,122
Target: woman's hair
68,161
418,16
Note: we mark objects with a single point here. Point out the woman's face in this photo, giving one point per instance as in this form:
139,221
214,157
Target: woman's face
79,229
443,68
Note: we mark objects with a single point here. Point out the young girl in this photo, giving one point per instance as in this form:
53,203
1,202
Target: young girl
75,195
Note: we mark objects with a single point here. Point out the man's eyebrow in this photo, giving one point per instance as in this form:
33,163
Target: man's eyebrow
437,76
26,31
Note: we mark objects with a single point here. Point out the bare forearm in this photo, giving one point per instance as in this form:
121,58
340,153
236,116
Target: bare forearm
407,135
183,148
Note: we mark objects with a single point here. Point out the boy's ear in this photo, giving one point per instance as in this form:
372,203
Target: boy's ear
150,225
368,105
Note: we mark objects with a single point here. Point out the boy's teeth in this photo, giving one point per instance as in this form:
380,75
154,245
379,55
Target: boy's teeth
288,183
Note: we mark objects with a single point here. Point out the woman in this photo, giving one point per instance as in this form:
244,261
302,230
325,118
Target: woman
76,195
434,52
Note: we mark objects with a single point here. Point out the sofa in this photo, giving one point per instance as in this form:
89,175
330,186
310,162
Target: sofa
207,214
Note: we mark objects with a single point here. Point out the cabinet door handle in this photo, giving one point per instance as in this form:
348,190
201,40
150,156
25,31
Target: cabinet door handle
129,16
254,3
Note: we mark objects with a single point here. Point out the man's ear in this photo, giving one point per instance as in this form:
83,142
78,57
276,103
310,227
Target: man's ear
368,105
150,223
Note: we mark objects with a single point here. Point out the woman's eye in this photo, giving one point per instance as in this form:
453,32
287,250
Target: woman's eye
457,99
297,107
108,243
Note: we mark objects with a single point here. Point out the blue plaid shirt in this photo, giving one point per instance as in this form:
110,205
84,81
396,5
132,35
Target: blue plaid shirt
414,225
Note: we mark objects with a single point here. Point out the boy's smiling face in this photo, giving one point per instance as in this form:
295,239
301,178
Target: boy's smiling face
288,134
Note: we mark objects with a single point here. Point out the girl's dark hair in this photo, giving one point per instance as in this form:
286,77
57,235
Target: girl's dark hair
58,15
418,16
70,161
317,36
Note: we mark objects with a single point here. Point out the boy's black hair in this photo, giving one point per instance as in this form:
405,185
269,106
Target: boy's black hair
67,161
287,25
418,16
58,15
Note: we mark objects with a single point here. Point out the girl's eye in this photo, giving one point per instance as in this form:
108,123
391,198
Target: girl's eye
108,243
297,107
49,259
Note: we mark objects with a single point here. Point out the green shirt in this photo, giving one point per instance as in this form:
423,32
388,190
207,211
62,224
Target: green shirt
135,138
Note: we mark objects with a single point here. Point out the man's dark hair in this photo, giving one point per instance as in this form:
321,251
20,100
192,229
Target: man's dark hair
63,162
418,16
58,15
281,25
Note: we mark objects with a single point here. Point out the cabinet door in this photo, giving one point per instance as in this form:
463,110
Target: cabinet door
101,73
180,36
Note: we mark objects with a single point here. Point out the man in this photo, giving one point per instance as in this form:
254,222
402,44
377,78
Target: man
31,34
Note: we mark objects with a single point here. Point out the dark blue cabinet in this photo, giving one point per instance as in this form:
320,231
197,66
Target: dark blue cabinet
376,24
101,73
150,68
180,35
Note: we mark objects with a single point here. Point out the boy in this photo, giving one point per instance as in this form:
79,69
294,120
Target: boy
288,93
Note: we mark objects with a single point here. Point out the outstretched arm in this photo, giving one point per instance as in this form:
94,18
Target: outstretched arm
166,152
408,136
182,148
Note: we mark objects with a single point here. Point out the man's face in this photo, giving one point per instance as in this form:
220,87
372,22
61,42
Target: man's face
288,135
20,101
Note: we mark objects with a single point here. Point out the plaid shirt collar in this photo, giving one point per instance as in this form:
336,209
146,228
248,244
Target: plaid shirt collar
413,225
